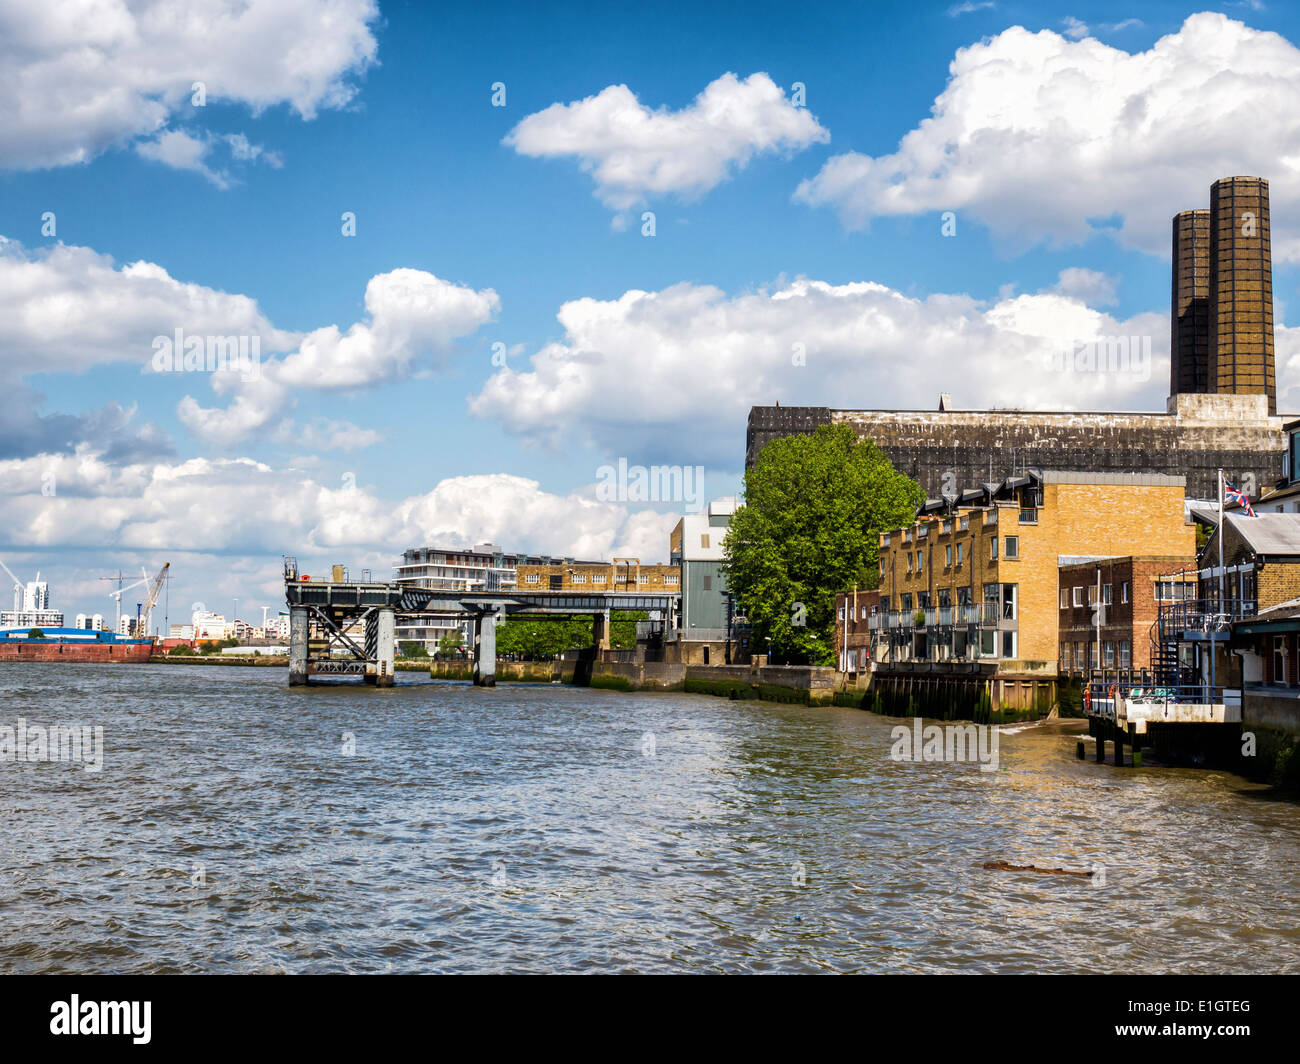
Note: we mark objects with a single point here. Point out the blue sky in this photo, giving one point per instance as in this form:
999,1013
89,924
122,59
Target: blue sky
781,221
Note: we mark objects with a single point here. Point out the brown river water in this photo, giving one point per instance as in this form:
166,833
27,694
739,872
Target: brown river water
238,825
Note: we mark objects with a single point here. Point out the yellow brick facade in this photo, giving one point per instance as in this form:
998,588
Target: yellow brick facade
621,575
1078,517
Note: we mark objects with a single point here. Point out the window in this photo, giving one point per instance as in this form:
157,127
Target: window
1013,546
704,541
1125,654
599,578
905,603
1092,594
959,554
533,578
1063,598
993,549
671,578
920,562
948,555
1279,659
1110,655
909,561
1009,603
1076,596
1078,655
945,597
1009,644
1106,593
1065,656
579,578
988,643
643,578
1123,591
708,583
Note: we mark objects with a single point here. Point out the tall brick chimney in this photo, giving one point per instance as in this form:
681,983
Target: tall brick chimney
1240,290
1189,317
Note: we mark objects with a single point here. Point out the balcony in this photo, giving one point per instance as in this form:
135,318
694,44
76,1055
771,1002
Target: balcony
1028,516
990,517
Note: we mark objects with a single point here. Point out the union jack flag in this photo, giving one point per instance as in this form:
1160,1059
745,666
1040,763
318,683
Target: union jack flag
1231,494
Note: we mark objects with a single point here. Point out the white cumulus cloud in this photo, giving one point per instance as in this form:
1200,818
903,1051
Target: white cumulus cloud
676,371
635,153
79,77
1046,139
413,320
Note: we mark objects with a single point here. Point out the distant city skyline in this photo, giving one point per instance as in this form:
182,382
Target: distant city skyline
430,306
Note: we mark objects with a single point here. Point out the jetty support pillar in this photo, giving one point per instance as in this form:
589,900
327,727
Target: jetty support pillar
298,632
600,630
485,650
385,646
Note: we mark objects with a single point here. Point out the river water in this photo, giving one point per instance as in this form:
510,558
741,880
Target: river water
238,825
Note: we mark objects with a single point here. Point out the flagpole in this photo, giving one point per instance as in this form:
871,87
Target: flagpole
1221,534
1219,607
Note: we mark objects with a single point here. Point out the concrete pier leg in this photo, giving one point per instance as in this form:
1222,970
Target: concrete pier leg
298,629
485,653
1119,749
386,647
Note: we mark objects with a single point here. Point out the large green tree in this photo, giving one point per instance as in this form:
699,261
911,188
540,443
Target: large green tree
814,507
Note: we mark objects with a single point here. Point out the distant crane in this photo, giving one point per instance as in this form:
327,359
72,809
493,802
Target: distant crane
18,587
145,625
117,595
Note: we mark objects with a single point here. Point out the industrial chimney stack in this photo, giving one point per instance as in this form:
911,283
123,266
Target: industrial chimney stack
1221,327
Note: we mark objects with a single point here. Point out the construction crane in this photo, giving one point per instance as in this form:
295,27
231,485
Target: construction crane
144,625
18,587
117,595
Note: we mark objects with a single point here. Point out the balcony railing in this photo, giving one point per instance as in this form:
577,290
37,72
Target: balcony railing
1207,616
1028,516
991,517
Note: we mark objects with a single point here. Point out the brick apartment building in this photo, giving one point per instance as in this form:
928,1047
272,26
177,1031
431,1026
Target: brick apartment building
972,588
1130,591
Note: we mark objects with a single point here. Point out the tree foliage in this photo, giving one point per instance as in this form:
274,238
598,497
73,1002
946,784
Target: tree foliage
450,642
542,639
814,507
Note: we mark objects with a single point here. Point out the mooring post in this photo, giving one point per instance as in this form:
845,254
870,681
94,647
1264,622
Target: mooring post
485,653
298,629
1101,746
386,632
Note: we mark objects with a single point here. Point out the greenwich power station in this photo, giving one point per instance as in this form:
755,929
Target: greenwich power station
1222,407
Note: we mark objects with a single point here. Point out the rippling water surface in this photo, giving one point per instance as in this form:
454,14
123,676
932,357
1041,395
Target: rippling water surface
535,828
